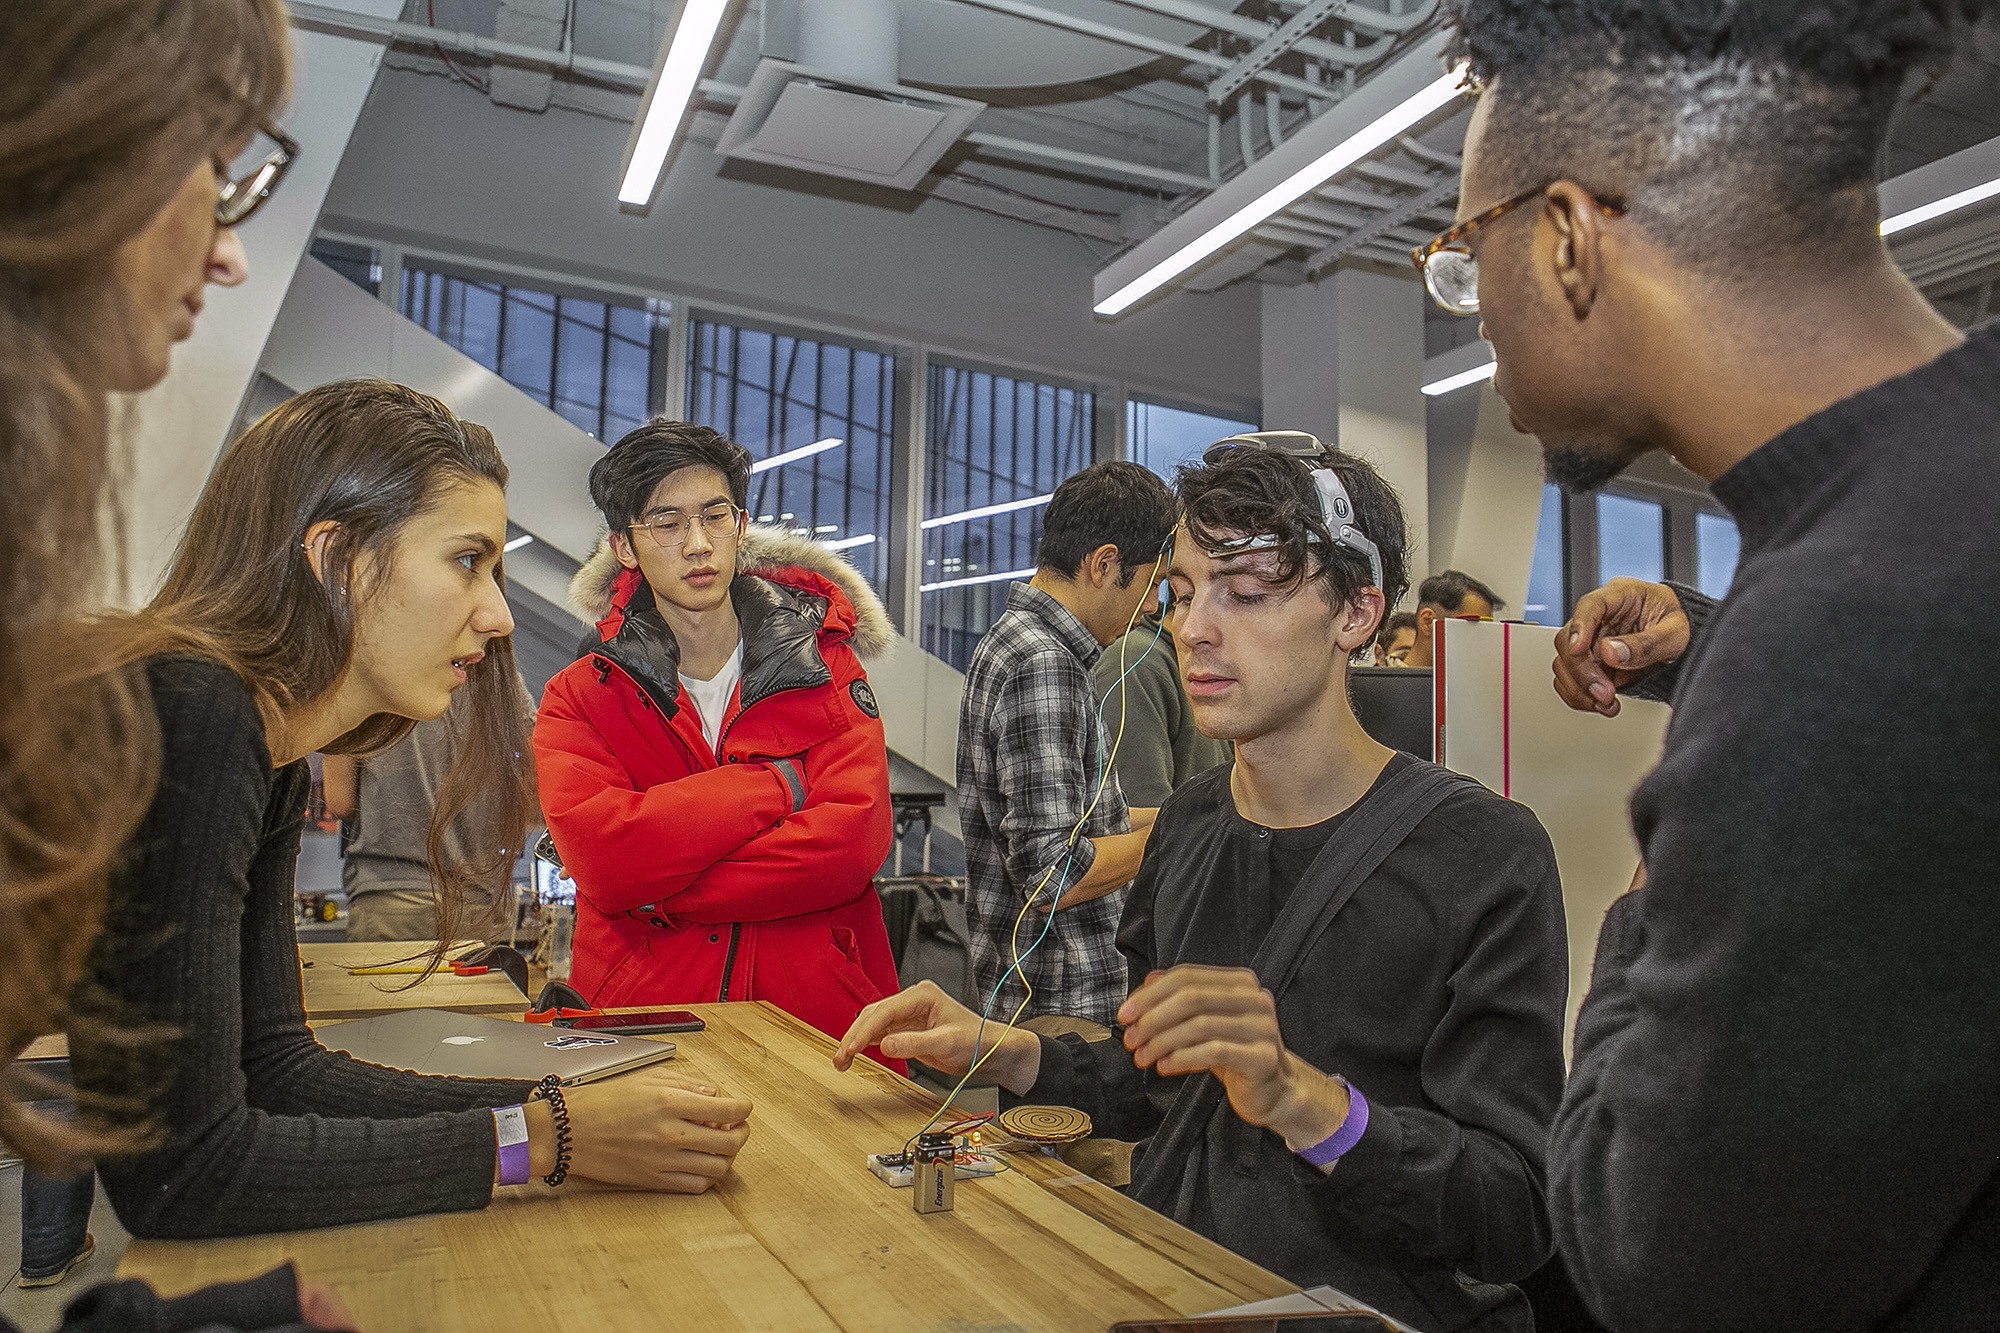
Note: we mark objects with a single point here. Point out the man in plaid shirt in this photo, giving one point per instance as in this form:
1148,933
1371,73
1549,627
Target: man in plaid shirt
1032,757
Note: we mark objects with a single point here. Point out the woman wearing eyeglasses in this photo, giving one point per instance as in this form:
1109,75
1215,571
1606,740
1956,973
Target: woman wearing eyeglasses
119,122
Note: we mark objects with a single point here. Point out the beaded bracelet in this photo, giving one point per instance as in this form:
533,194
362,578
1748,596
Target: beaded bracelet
551,1088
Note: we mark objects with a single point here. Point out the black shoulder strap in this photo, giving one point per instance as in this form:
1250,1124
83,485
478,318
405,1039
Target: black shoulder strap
1375,829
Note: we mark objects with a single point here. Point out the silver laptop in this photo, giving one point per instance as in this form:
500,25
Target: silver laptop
437,1041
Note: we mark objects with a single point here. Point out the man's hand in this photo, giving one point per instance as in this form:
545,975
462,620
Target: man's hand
923,1023
1221,1019
1117,861
1619,633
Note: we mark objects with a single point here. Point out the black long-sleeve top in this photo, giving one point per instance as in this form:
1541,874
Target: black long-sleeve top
266,1304
263,1129
1784,1110
1438,990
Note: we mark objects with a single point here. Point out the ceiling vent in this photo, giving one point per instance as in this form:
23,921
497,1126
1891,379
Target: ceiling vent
838,125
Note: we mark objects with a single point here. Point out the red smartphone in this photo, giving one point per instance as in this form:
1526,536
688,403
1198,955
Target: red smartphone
636,1025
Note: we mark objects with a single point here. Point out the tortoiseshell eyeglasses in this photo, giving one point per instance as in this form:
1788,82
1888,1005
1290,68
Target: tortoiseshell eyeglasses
1451,273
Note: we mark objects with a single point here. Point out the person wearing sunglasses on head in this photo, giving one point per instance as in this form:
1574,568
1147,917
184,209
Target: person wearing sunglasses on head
1347,968
1784,1105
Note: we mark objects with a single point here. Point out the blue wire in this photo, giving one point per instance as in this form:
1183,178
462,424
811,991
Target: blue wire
1062,877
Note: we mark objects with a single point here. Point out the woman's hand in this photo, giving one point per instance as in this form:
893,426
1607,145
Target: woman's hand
651,1129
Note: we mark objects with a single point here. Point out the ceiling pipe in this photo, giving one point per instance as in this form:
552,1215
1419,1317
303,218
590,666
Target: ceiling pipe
1246,135
1274,117
1120,37
1050,153
854,39
1242,25
322,18
637,76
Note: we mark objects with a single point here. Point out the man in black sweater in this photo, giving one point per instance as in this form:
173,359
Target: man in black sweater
1344,1065
1784,1107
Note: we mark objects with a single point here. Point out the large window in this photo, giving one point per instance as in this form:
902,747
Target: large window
1162,438
1637,529
1717,544
359,264
996,449
1631,538
591,361
1545,604
818,417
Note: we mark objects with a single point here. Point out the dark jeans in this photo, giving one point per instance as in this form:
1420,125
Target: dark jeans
54,1214
55,1211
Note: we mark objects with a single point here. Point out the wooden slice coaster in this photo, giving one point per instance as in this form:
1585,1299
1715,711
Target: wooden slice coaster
1045,1125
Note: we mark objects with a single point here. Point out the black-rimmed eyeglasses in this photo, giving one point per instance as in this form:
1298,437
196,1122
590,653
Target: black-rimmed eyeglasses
245,193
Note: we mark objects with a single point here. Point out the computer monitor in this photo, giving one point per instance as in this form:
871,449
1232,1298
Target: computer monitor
1393,704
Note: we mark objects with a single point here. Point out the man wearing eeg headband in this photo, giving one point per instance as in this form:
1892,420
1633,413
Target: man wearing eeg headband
1365,952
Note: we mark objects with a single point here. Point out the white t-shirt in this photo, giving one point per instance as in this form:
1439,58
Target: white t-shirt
711,697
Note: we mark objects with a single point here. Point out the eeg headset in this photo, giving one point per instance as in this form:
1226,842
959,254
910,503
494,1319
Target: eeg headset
1334,506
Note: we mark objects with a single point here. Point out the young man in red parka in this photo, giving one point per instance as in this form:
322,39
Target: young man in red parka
712,768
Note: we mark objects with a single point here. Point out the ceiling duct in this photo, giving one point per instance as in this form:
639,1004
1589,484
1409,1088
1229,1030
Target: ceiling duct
839,110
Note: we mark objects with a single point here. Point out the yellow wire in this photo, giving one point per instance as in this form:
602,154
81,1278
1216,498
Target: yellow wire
1104,779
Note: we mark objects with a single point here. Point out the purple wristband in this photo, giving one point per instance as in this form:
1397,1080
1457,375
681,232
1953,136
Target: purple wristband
1333,1147
510,1132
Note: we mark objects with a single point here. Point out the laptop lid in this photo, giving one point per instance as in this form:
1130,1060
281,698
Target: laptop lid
437,1041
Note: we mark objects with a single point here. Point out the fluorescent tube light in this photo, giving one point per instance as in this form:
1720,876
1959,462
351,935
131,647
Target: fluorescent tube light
976,578
517,543
1475,375
987,511
793,456
1951,203
1287,191
849,543
667,100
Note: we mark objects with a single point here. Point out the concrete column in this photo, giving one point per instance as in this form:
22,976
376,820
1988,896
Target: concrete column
177,429
1381,396
1491,477
1344,358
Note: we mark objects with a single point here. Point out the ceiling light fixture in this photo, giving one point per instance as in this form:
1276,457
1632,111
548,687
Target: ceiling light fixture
1951,203
1384,129
675,76
849,543
517,543
794,455
1477,375
987,511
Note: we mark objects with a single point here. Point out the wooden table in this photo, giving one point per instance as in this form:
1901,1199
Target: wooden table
332,995
801,1236
331,992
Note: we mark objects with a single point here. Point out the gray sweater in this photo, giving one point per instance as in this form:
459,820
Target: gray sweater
1160,749
263,1129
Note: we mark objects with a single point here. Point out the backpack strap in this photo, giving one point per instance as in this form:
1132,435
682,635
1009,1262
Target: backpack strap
1354,853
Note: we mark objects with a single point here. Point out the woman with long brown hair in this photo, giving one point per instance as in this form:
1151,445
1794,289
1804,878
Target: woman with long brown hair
118,122
339,580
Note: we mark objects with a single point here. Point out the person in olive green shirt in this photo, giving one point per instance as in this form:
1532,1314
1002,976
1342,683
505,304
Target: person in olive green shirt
1160,749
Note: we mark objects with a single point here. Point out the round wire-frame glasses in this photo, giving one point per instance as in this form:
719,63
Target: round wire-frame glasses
669,530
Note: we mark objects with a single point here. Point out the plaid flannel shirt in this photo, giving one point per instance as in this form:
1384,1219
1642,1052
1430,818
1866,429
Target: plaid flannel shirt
1030,752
